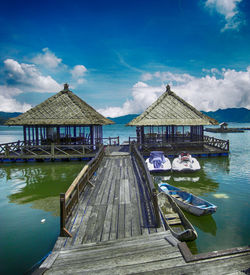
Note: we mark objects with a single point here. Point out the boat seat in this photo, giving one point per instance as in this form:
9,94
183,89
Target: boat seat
175,196
171,216
173,219
174,222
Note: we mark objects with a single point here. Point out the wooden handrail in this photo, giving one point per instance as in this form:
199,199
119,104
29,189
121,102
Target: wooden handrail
70,198
76,181
148,179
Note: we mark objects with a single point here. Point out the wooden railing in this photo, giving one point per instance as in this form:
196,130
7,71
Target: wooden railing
148,180
179,144
108,141
218,143
70,199
21,150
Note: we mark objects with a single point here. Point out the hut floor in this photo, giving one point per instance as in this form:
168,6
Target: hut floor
207,150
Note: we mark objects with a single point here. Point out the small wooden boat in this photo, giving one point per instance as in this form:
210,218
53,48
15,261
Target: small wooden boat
157,162
174,219
187,201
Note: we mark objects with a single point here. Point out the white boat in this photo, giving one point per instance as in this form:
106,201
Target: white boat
185,163
157,162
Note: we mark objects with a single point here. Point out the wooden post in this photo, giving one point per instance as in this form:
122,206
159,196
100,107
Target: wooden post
24,134
156,209
52,149
62,214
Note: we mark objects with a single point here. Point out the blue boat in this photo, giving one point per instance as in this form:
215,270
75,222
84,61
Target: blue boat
187,201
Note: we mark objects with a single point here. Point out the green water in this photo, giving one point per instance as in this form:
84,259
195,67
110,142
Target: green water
29,192
224,181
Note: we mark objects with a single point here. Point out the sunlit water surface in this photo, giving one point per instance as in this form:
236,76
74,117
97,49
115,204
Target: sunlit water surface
29,193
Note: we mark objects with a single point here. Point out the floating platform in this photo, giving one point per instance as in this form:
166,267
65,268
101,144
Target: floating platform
227,130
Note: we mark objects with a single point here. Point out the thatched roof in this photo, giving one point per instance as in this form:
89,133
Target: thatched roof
64,108
170,109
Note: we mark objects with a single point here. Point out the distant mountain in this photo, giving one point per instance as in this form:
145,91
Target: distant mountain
5,116
227,115
230,115
123,119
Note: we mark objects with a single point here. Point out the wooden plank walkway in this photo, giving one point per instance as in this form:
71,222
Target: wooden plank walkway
113,232
117,206
145,254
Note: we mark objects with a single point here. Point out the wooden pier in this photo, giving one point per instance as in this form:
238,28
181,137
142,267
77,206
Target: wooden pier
110,224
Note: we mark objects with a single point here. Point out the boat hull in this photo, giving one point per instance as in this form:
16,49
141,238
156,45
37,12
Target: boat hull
187,233
184,200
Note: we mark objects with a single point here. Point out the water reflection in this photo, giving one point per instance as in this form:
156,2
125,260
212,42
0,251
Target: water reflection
39,184
197,183
204,223
221,164
192,179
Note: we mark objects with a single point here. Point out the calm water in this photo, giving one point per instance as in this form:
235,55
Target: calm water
30,192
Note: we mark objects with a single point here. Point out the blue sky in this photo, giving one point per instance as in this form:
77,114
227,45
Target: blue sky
118,56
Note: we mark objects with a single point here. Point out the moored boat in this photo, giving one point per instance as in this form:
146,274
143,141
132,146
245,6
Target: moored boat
174,219
185,163
157,162
187,201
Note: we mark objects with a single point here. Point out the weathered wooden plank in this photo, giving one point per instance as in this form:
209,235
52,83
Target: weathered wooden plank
59,243
108,183
97,232
91,224
99,252
119,256
103,183
121,221
82,229
108,218
136,226
121,242
49,261
128,220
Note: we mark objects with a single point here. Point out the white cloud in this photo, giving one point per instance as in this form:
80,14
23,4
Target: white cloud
143,96
47,59
146,77
28,77
7,101
229,9
224,88
78,71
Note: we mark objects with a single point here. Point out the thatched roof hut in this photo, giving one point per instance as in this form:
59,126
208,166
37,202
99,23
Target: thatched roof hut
170,118
62,118
64,108
170,109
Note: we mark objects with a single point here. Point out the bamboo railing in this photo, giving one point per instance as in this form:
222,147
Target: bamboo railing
148,180
70,198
